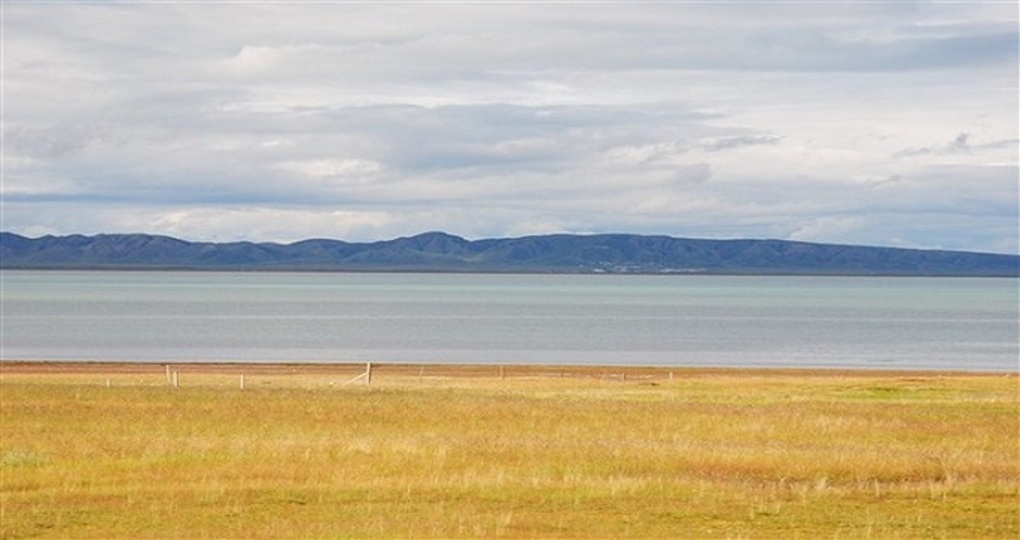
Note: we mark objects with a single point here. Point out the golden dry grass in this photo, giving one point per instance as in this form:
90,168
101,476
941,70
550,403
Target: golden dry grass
113,451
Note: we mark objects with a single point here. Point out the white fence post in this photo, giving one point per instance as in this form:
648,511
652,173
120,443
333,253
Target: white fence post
366,376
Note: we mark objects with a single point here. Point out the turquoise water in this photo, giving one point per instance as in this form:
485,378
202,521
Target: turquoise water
852,322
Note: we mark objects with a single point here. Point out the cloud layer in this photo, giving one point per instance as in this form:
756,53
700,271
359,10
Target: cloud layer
891,124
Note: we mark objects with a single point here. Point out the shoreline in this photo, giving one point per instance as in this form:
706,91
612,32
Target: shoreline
461,370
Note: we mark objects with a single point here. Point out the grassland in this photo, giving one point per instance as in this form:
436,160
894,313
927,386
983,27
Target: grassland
116,451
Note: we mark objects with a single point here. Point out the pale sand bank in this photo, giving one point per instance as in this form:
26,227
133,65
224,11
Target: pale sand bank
634,373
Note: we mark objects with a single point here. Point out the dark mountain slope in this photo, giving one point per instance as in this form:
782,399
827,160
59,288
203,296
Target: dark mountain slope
441,252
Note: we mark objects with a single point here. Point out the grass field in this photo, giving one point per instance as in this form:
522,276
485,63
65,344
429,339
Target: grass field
116,451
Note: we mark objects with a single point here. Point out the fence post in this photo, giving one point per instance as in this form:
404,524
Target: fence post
242,381
366,376
177,379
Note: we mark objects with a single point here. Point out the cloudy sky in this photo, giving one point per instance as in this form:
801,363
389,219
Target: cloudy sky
883,123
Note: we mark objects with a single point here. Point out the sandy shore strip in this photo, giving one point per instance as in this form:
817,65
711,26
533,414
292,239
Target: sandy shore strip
634,373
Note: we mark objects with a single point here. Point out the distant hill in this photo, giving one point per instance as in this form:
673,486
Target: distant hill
441,252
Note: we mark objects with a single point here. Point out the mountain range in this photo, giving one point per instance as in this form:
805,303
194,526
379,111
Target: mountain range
442,252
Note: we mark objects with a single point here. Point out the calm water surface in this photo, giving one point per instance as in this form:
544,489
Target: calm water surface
909,323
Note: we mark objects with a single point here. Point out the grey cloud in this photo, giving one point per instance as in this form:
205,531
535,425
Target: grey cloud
53,141
467,53
961,144
729,143
693,174
1010,144
494,137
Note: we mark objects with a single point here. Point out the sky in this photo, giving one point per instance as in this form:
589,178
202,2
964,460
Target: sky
875,123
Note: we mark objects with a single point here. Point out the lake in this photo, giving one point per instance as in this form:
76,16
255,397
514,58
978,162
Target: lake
739,321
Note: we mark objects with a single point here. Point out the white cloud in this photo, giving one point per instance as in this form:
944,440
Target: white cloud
332,168
882,123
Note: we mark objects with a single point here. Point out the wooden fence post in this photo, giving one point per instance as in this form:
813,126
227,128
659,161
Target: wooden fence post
366,376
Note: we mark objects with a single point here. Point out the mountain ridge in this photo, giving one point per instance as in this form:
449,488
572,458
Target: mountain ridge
438,251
